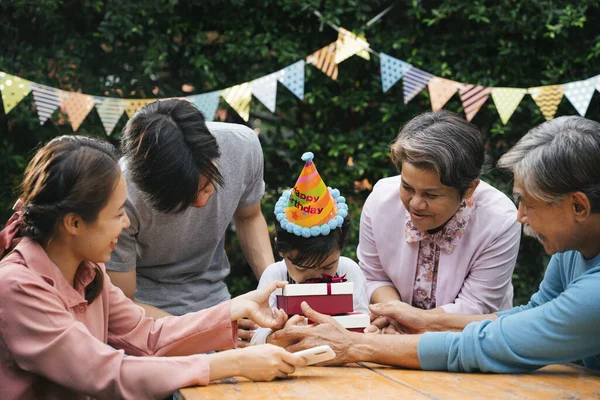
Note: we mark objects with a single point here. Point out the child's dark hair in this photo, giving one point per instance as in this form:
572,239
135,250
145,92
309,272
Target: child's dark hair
168,148
312,251
70,174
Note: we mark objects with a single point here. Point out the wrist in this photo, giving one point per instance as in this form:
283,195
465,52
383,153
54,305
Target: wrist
237,309
361,348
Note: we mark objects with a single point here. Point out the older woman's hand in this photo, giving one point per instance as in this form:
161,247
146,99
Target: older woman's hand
394,317
325,330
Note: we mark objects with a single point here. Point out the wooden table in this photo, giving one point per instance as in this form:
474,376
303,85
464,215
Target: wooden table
371,381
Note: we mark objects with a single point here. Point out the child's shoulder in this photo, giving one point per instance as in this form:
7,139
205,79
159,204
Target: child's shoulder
275,271
349,267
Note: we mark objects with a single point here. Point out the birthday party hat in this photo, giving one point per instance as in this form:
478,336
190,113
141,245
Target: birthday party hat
310,208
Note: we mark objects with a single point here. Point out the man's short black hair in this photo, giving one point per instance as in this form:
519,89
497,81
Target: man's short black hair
312,251
168,147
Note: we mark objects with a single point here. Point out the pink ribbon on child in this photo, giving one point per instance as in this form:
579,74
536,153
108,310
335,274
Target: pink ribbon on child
328,279
12,226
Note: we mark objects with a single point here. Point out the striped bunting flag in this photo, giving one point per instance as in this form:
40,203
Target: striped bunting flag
46,101
440,91
324,59
414,81
473,97
239,97
13,89
580,94
110,111
547,98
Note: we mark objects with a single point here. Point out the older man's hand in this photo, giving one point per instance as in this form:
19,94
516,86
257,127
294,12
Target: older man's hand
325,330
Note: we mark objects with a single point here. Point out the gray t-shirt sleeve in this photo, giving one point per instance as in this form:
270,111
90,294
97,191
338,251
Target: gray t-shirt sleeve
123,258
255,187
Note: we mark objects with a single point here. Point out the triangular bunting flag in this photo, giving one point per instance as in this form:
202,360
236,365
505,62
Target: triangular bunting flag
265,90
597,78
580,94
132,105
77,107
392,70
473,97
348,44
46,101
207,103
414,81
440,91
547,98
507,100
13,89
324,59
239,98
110,111
292,78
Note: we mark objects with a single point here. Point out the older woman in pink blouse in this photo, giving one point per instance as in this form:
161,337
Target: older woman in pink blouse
437,237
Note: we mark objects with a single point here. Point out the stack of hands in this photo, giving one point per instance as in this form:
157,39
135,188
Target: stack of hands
269,361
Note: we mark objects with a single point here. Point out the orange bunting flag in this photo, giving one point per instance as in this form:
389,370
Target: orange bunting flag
324,59
239,97
473,97
440,91
77,106
349,44
132,105
547,98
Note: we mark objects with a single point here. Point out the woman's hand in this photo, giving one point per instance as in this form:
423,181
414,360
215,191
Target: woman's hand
254,305
257,363
396,317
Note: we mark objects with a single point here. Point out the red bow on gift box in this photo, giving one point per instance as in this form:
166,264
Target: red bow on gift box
328,279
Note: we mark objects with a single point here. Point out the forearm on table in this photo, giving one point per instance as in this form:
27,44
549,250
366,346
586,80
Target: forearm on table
152,311
397,350
253,235
441,321
384,293
223,365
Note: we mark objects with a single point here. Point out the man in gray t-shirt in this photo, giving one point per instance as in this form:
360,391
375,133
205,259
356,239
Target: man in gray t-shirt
172,257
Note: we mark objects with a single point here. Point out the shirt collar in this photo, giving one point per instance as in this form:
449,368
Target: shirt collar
449,236
37,260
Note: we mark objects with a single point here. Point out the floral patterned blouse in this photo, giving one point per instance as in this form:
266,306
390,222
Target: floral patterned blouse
430,246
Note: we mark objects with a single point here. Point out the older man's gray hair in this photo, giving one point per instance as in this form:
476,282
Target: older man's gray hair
558,157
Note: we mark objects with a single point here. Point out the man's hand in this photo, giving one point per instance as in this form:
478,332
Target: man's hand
296,320
326,330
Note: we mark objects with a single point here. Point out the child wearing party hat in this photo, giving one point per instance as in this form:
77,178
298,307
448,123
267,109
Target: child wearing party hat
311,230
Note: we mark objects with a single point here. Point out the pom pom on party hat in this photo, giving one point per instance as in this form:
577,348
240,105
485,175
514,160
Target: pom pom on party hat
310,208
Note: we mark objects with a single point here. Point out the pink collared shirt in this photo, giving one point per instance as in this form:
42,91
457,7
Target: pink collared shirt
474,278
54,345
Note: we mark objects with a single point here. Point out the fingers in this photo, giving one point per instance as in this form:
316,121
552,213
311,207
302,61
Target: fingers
293,360
245,334
242,344
382,309
247,324
291,334
390,330
372,329
380,322
271,286
280,319
314,315
296,320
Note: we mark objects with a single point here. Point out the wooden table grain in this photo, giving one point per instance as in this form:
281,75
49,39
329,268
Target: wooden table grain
371,381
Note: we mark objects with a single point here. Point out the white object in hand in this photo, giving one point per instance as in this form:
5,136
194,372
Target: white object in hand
316,354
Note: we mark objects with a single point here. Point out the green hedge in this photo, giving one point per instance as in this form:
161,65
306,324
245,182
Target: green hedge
127,48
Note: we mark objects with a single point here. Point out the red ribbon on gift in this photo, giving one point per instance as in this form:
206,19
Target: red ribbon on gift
328,279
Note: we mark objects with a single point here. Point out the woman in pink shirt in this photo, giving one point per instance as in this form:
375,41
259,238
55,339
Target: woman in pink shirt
437,237
59,311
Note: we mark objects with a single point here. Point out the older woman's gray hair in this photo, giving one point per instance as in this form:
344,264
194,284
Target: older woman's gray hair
558,157
444,142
